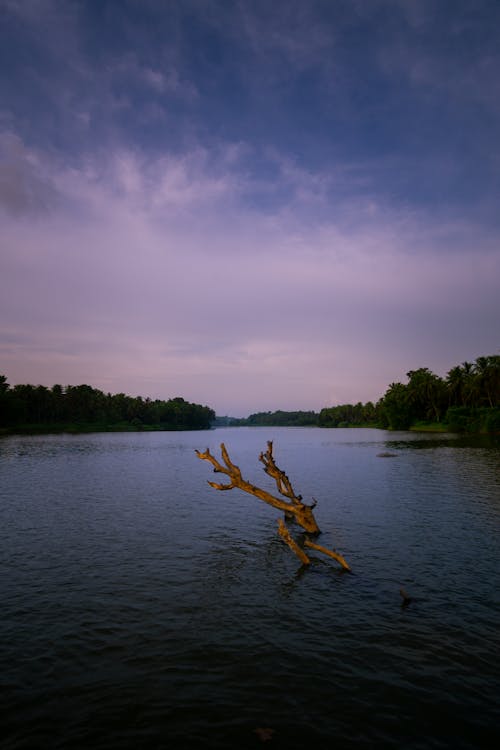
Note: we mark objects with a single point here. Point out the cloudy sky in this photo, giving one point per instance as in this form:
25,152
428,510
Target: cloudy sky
254,205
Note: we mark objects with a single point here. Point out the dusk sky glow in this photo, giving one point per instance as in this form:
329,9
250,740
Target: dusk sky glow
253,205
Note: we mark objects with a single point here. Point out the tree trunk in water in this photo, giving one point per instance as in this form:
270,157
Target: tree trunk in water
329,552
287,538
292,506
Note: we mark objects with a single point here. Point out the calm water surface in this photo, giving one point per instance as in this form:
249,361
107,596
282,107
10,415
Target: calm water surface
143,609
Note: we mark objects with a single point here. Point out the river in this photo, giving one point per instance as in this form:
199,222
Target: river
143,609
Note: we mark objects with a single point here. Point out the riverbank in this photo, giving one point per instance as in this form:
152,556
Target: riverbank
83,428
429,427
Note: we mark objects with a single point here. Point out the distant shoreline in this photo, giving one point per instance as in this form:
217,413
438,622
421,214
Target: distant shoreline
82,429
85,429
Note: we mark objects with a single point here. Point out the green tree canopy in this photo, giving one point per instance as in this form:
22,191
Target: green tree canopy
84,405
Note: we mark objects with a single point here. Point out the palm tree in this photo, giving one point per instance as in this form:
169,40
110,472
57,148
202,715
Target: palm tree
460,384
487,377
426,393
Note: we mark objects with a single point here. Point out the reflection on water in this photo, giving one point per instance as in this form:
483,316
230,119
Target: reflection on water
141,608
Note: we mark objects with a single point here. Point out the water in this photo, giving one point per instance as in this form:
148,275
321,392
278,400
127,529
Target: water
143,609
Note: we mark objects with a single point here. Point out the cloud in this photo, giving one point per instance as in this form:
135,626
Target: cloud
260,206
276,32
163,79
452,56
24,188
156,275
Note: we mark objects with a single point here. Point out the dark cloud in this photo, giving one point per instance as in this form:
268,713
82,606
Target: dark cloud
232,199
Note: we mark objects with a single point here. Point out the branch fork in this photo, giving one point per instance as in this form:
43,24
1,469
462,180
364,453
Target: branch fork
289,502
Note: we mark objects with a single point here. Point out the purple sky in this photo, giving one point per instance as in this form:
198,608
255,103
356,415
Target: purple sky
252,205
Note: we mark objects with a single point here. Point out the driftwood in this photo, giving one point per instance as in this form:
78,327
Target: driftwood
293,507
326,551
287,538
290,503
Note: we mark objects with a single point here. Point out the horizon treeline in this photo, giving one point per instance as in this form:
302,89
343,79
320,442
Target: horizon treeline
272,418
83,406
466,400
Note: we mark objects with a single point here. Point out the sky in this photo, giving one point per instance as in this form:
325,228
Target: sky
252,205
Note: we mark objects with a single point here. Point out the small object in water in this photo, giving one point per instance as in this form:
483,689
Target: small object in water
264,733
386,454
406,599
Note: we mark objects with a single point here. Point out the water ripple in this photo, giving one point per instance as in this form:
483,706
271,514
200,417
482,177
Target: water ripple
142,609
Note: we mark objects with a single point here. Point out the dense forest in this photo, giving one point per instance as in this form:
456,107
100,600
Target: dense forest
466,400
271,418
81,407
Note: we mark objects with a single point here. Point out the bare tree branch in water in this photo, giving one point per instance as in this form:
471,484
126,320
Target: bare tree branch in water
293,506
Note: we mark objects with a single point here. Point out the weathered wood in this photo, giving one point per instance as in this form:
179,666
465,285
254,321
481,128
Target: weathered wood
287,538
331,553
293,507
282,482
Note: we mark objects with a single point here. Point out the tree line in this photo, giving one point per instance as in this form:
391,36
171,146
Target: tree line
467,399
270,418
81,406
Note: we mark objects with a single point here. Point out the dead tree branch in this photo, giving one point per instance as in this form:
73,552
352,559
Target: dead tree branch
293,507
287,538
282,482
331,553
